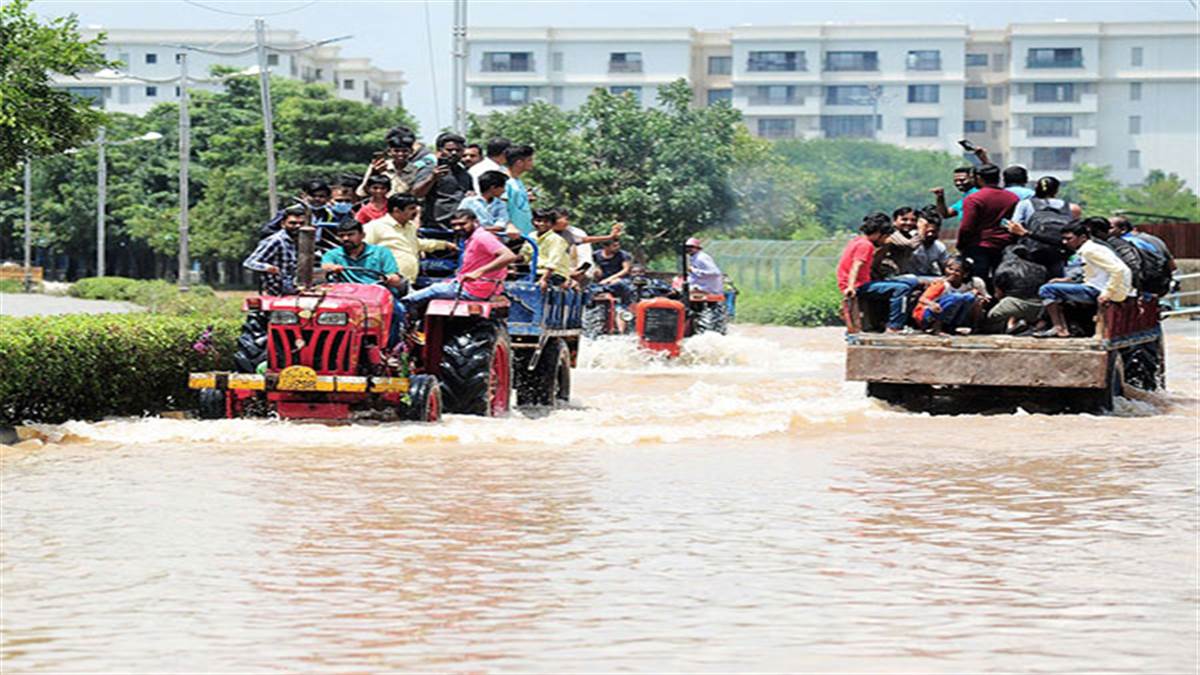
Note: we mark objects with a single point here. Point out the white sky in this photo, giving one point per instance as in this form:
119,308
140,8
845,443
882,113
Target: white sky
393,32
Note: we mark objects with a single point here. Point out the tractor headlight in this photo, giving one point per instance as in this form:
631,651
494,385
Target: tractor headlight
282,318
625,315
332,319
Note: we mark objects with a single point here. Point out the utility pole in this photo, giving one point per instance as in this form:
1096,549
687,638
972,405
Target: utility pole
185,151
101,197
460,66
264,87
28,223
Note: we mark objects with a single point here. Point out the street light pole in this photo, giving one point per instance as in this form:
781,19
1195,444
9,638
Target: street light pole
185,151
264,86
459,54
101,197
28,223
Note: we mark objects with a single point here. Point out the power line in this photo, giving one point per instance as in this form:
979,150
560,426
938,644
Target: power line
437,111
226,11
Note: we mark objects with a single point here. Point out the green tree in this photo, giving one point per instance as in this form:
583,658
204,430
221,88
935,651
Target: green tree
35,118
664,172
773,197
1095,190
1164,194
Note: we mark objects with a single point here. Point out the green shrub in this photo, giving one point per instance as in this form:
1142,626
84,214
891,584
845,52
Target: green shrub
815,305
18,286
92,366
158,297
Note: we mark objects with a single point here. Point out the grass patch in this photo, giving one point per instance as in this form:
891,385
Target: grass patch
813,305
18,286
158,297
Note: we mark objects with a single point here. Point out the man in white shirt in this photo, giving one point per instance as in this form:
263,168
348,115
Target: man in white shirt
493,162
1105,279
703,273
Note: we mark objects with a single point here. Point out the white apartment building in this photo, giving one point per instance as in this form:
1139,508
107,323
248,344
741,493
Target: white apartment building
1049,96
150,67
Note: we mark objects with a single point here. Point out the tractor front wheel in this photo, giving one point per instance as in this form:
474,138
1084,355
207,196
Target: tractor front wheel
425,399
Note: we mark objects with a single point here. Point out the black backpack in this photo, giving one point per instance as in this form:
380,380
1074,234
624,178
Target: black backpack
1018,276
1044,241
1128,253
1155,274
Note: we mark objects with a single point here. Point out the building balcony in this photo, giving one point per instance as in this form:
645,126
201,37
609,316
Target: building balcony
1079,138
1083,103
763,107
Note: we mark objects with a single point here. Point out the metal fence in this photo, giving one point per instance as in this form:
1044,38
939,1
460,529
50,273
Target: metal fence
764,264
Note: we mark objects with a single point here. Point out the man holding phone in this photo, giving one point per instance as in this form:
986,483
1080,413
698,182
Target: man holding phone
964,180
400,164
446,185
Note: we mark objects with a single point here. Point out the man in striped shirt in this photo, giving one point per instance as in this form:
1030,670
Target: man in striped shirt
275,256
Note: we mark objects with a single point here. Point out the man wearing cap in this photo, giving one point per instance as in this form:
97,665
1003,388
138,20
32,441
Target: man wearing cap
403,164
703,273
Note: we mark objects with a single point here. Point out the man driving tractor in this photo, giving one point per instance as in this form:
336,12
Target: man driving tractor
358,262
703,273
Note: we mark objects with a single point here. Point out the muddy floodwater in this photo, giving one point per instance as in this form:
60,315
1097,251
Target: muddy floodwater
741,509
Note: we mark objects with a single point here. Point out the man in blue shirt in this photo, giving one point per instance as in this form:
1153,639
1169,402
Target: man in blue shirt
964,180
1015,180
490,210
520,212
355,257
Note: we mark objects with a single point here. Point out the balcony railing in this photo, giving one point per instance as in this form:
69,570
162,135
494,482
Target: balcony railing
525,67
624,66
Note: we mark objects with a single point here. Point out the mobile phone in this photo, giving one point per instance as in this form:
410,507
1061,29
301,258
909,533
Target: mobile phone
379,154
968,145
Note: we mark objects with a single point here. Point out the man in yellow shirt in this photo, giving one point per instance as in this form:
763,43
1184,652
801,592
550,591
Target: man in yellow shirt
554,253
397,232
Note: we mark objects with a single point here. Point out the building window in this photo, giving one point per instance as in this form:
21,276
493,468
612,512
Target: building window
977,60
1135,56
848,95
619,91
766,62
151,92
1055,58
151,58
777,128
272,59
999,62
1052,126
319,74
507,96
177,92
556,62
997,127
922,127
974,126
775,94
999,94
850,126
1135,125
1135,91
839,61
507,62
348,83
924,59
93,94
556,95
1054,92
975,93
178,58
720,65
923,93
625,62
715,95
1135,159
1052,159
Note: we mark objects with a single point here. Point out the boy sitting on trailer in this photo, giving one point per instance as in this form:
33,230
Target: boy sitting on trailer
952,302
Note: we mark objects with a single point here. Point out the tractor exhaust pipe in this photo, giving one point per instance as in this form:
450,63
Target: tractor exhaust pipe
306,256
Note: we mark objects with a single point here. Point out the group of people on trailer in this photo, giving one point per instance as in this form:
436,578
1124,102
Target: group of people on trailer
369,227
1024,256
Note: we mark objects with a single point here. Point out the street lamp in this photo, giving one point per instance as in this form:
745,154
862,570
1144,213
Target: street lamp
102,186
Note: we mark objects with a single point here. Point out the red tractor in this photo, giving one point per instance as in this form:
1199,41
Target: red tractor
663,319
321,354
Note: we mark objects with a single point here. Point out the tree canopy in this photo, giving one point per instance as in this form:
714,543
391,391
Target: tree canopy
1162,194
35,118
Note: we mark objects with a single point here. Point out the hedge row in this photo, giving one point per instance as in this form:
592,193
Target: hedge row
815,305
53,369
156,296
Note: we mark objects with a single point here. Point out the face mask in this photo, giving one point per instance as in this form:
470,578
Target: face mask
342,208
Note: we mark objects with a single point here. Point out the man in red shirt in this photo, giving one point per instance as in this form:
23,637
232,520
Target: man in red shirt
982,236
854,271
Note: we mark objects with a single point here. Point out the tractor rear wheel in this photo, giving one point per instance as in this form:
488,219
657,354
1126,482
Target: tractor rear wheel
425,399
550,380
712,319
252,344
595,320
476,370
210,404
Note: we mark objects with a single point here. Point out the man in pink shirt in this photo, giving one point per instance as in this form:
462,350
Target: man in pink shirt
481,274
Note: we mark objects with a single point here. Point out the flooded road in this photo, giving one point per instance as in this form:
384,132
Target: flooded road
744,509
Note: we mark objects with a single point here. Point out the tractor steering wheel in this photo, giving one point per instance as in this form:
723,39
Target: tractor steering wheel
382,275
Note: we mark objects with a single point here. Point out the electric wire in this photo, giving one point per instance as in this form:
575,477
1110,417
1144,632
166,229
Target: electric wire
258,14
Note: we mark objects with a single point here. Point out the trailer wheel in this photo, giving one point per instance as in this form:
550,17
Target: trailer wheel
550,381
713,319
476,370
252,344
425,399
912,396
1142,366
595,321
210,404
1115,382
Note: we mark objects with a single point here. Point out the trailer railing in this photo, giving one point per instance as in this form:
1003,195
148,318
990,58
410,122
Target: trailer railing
1175,300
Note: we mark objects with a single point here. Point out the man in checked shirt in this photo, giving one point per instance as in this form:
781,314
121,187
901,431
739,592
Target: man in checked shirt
275,257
